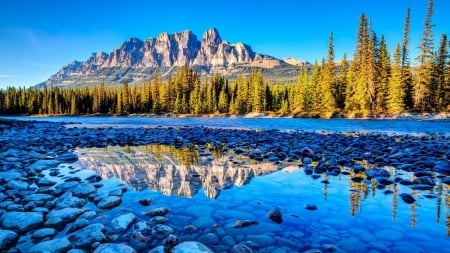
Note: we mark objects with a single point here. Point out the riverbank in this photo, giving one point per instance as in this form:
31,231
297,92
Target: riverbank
38,212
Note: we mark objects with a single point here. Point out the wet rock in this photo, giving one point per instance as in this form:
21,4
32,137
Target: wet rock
68,200
145,202
170,242
59,218
245,223
262,240
445,180
17,185
59,245
276,215
209,239
7,239
191,247
442,167
67,158
85,237
83,189
408,198
142,226
123,222
114,248
43,233
241,248
21,221
41,165
159,219
109,202
376,172
77,225
311,207
425,180
42,182
38,197
161,231
139,241
384,181
159,211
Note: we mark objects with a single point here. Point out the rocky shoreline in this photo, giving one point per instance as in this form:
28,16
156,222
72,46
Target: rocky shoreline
38,214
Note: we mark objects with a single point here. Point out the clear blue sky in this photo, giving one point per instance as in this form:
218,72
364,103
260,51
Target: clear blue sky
37,38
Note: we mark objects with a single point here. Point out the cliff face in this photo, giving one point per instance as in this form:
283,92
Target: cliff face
136,59
163,168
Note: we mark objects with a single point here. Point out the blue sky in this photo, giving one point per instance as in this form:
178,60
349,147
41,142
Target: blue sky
37,38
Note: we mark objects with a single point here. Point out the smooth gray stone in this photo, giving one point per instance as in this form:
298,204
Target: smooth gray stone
21,221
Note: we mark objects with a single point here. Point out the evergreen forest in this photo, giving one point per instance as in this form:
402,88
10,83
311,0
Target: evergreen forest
374,82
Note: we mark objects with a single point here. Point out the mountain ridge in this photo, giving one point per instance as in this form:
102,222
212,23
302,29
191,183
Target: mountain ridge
136,60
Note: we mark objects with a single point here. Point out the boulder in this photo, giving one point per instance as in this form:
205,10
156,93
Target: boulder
108,202
21,221
191,247
7,238
59,218
123,222
114,248
59,245
85,237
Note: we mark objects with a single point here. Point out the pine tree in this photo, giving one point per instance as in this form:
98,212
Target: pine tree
437,87
328,81
341,84
422,95
395,102
407,76
383,73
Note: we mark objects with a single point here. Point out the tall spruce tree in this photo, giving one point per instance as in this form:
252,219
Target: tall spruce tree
423,78
328,81
407,76
395,101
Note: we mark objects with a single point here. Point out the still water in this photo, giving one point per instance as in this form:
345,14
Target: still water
211,191
292,124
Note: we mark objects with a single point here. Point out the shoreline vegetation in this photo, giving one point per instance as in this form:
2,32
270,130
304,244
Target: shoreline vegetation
373,84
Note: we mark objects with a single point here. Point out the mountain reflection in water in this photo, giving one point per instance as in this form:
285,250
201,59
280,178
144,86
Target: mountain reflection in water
173,171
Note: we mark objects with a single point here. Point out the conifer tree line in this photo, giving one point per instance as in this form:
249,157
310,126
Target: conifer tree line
375,81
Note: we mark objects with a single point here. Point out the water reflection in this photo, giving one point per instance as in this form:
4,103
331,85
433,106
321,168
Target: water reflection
173,171
188,171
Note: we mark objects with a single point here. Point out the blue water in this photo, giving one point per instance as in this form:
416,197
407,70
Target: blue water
354,217
397,126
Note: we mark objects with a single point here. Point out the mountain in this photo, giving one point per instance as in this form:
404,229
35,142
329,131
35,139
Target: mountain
135,60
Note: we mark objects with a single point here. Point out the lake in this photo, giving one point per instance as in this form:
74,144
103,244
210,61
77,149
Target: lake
208,191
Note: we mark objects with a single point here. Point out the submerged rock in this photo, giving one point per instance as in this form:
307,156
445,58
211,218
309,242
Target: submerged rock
276,215
123,222
85,237
159,211
245,223
161,231
241,248
59,218
408,198
109,202
114,248
311,207
191,247
376,173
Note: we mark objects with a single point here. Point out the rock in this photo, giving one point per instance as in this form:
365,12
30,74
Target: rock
159,219
41,165
445,180
85,237
67,158
170,242
114,248
7,239
83,190
442,167
276,215
59,245
209,239
161,231
384,181
311,207
191,247
159,249
21,221
38,197
109,202
245,223
77,225
7,176
17,185
123,222
408,198
241,248
376,172
262,240
43,233
145,202
59,218
42,182
388,235
159,211
67,200
307,152
142,226
425,180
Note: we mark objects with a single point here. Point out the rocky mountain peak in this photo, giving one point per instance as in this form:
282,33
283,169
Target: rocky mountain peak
136,59
212,37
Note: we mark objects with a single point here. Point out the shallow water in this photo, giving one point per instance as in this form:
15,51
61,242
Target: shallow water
213,190
396,126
